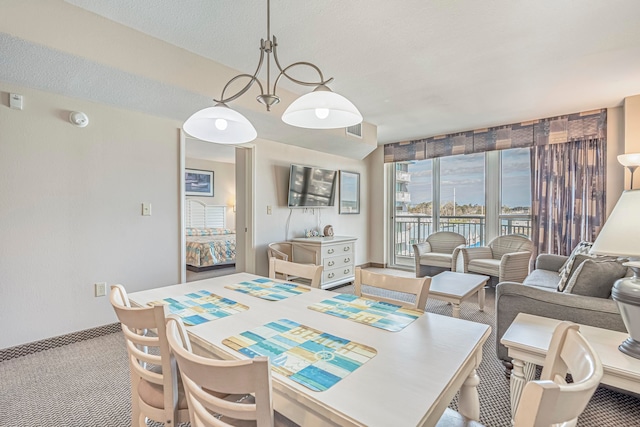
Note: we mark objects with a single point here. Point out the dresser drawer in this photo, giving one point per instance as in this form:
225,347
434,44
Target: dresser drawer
338,249
337,274
334,262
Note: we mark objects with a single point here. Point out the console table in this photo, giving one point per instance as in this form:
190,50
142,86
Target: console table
528,338
336,254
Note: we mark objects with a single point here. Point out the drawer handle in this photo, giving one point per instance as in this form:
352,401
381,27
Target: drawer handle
346,271
330,275
346,248
330,251
330,263
346,260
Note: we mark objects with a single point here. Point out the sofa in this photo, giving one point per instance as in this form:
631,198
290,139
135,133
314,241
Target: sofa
539,295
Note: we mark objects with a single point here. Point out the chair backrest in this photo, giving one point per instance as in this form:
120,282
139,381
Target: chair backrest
551,400
445,241
144,330
286,268
418,286
280,250
510,243
208,381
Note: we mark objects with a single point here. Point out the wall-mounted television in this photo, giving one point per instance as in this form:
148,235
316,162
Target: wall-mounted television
311,187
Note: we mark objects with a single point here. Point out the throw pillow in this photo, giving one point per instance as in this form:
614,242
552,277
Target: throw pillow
581,248
595,278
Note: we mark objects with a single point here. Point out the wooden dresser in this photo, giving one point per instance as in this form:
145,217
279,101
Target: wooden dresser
336,254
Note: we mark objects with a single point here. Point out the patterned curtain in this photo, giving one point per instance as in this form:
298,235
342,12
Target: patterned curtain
568,193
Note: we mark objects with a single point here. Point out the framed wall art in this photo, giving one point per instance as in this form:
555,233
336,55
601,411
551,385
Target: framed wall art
349,193
198,183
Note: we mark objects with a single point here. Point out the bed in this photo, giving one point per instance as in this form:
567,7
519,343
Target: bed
209,243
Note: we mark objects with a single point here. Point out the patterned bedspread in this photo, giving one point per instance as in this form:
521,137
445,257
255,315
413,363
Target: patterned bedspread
204,251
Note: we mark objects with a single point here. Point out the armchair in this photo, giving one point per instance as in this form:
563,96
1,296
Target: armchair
505,257
437,252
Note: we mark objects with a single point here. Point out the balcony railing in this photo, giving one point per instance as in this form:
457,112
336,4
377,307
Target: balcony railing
402,176
411,229
404,197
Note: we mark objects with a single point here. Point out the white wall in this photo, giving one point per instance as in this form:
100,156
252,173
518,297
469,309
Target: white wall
224,185
70,212
272,182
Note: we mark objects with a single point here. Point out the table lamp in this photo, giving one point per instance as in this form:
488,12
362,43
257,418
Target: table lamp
620,236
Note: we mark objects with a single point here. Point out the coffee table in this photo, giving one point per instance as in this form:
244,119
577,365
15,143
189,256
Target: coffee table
456,287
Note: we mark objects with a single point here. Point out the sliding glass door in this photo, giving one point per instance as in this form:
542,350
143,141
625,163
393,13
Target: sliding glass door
477,195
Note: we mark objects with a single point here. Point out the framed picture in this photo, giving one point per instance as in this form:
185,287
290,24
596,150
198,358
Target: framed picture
198,183
349,193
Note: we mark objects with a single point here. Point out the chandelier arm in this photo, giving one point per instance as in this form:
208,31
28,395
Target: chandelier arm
283,71
242,91
254,79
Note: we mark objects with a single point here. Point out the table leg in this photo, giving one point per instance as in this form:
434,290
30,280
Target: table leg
521,374
468,400
456,310
481,298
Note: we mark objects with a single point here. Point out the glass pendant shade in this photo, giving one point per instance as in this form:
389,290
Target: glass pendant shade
220,124
322,109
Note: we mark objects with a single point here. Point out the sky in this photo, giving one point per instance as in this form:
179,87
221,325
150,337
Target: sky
465,174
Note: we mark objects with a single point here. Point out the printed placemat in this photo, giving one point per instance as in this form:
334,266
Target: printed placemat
310,357
202,306
268,289
383,315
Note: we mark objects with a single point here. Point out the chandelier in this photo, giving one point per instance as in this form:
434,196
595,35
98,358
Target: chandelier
319,109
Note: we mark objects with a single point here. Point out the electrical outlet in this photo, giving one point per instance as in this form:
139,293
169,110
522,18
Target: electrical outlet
146,209
100,289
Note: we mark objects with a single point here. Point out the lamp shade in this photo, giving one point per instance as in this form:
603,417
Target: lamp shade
220,124
322,109
630,159
620,234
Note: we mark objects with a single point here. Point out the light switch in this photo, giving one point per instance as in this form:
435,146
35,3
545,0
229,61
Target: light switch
146,209
269,210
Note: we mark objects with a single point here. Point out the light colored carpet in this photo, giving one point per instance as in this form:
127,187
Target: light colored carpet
87,383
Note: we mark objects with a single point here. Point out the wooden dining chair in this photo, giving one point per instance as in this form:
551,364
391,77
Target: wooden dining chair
222,393
291,269
551,401
418,286
156,391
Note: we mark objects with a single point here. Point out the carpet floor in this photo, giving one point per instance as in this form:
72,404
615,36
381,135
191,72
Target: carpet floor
87,383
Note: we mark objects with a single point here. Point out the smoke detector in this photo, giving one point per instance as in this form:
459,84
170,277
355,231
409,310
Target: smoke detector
79,119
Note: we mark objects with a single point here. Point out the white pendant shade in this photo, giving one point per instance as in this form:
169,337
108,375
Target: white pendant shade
322,109
220,124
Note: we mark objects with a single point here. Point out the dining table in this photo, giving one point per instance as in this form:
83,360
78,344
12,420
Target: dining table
401,375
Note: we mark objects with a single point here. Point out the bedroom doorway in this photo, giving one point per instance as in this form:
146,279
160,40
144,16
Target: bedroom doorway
216,199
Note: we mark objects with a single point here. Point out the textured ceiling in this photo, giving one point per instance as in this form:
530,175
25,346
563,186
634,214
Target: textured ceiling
413,68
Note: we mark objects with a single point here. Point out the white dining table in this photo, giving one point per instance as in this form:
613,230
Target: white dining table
409,382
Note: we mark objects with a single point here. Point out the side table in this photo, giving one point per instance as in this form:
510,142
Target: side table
528,338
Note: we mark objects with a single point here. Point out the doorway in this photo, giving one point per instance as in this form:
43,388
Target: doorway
232,171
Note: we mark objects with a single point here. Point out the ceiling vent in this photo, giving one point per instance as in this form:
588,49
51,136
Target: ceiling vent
355,130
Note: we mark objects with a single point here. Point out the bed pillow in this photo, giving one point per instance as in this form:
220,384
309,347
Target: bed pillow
192,231
581,248
595,278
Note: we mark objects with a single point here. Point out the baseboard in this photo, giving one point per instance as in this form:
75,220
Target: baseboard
59,341
372,264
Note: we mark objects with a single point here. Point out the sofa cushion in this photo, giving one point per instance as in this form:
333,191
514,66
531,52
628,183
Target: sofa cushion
595,278
436,259
542,279
581,248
